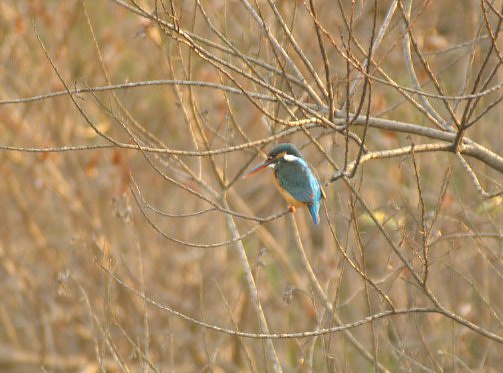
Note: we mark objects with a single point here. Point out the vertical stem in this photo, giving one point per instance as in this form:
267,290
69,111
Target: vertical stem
271,352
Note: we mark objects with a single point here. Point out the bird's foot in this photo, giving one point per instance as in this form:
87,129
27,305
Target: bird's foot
291,208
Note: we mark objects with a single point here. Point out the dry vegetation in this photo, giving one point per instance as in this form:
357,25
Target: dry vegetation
130,242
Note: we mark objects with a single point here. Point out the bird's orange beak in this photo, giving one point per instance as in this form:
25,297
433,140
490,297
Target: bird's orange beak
258,168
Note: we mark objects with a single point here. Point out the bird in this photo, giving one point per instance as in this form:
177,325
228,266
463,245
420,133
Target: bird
294,178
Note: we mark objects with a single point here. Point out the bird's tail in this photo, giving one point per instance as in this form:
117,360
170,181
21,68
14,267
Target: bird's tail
314,209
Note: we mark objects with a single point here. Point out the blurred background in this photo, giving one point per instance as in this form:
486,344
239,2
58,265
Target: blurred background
206,88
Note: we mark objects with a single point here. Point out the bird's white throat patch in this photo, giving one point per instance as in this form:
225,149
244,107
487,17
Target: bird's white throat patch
290,157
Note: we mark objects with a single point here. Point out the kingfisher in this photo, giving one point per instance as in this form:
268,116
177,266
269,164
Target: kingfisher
294,178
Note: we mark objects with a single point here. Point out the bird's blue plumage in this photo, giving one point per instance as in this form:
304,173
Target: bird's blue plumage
297,178
294,178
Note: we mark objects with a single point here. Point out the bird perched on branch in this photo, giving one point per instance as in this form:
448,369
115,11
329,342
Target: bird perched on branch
294,178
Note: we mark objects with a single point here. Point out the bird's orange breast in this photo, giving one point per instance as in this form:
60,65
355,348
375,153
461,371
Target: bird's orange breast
289,198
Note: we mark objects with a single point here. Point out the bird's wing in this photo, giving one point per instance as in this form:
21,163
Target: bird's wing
298,179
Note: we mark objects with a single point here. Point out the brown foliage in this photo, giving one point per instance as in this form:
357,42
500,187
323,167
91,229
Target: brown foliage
129,240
